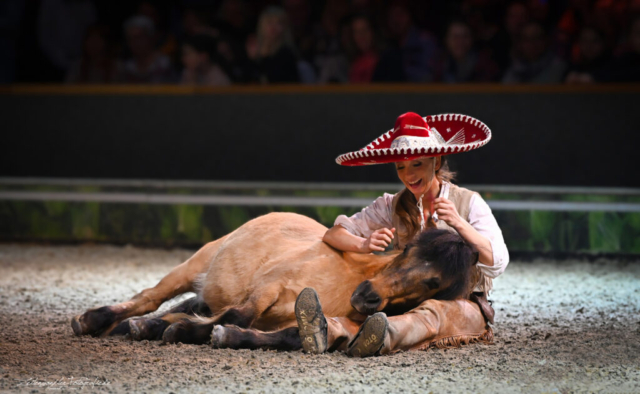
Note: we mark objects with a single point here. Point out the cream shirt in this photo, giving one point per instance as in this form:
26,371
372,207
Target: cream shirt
379,213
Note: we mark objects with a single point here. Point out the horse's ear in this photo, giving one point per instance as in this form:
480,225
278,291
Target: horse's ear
476,258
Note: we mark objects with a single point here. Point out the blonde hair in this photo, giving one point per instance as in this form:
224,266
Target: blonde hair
407,206
287,37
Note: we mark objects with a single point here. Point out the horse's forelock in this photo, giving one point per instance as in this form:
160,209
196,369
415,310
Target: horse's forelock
449,254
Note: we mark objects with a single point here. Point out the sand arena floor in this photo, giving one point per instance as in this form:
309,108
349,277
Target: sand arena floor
564,326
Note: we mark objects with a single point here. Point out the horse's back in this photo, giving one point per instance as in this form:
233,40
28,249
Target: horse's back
252,248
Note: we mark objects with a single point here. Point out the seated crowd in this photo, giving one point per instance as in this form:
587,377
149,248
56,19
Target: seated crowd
224,42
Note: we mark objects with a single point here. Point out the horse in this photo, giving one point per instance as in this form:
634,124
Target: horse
251,277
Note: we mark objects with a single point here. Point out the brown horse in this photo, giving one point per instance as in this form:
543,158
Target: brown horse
251,278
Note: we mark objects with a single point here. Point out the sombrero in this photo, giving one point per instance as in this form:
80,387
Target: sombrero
413,137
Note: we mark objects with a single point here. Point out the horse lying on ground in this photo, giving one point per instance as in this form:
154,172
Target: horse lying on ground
252,276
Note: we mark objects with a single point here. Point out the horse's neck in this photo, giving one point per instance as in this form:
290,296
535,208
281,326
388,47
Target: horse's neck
368,263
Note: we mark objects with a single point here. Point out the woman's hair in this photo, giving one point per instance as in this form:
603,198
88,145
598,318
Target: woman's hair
407,206
287,36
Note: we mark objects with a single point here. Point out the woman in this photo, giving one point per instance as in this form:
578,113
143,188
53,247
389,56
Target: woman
97,65
416,146
462,62
272,51
366,57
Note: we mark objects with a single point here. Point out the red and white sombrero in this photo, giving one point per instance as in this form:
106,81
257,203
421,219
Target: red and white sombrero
414,136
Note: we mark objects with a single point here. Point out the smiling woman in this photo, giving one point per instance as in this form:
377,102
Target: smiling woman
429,201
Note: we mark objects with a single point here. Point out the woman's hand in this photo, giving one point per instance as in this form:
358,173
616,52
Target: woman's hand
447,211
378,240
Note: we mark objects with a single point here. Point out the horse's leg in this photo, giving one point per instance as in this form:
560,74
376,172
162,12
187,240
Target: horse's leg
152,328
233,337
103,320
198,330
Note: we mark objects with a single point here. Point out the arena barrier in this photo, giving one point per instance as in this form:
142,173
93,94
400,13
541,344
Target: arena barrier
188,213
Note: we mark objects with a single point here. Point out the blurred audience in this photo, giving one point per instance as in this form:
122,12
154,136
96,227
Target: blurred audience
272,58
534,62
365,52
61,27
462,62
413,52
626,68
98,62
319,41
201,63
332,40
591,57
146,64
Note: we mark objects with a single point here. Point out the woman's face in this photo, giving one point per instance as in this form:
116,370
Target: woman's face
362,35
273,28
459,40
417,175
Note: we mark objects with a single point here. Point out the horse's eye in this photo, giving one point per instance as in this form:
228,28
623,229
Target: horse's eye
431,283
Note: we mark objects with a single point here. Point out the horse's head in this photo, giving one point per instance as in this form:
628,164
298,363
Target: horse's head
436,265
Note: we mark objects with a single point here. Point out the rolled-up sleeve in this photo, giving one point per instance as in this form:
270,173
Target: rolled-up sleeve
372,217
481,218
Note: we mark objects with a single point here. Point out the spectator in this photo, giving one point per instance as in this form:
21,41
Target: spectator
164,40
232,20
516,16
195,22
462,63
201,63
592,56
413,54
578,13
492,38
299,13
366,53
146,65
534,62
97,64
61,27
331,38
626,68
272,51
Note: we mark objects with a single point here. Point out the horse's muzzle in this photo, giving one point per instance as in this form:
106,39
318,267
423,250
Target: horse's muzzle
365,300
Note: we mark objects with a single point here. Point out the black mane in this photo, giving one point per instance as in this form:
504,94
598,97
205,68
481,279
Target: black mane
451,255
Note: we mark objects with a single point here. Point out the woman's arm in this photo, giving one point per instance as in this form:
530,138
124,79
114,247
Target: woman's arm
447,211
481,243
341,239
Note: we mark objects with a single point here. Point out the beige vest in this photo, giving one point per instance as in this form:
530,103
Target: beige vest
461,198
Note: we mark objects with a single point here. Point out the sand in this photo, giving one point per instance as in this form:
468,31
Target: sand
561,326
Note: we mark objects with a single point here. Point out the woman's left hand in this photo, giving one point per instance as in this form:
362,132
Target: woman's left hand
447,211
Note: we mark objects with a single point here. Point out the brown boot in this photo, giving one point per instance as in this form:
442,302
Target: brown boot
312,324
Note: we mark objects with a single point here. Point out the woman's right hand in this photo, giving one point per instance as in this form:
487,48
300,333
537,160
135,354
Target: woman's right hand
378,240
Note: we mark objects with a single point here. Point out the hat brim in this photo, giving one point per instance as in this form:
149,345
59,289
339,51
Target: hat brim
460,133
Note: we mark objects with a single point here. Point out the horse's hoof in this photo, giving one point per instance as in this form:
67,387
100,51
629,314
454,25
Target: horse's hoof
135,330
370,338
218,336
171,334
77,326
93,322
312,324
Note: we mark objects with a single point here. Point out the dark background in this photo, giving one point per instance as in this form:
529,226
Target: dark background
545,137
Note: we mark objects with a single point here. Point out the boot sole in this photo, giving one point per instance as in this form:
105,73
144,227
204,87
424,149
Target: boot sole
370,337
312,325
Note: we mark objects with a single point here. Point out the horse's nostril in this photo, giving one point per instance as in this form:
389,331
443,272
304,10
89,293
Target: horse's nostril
372,300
